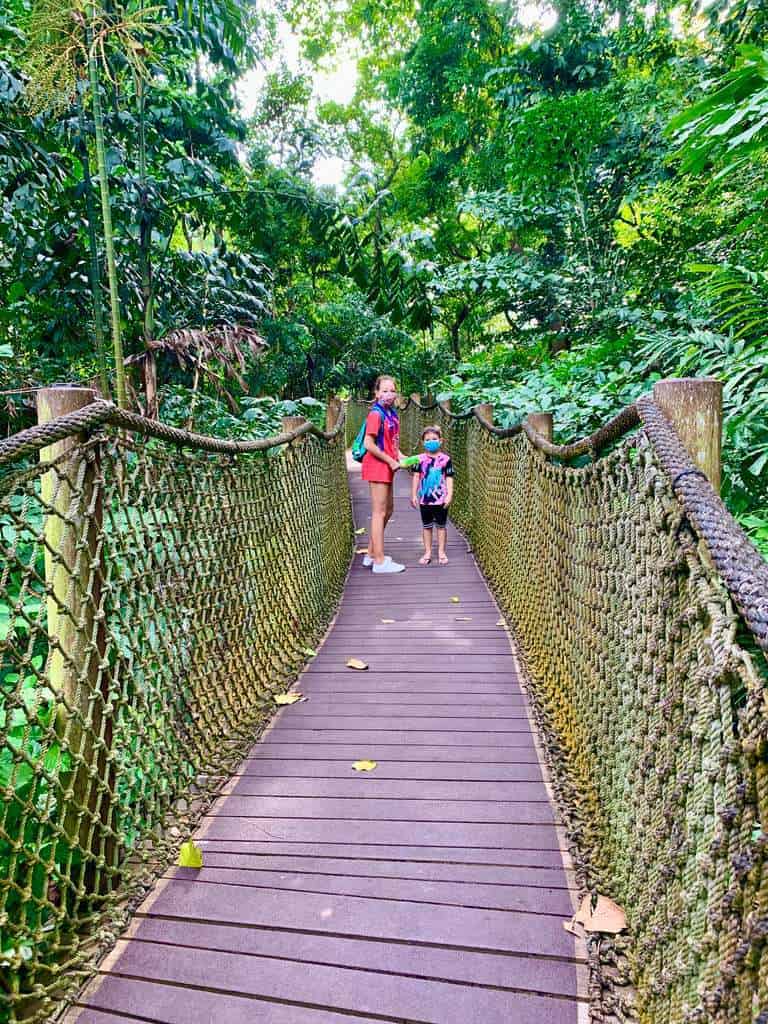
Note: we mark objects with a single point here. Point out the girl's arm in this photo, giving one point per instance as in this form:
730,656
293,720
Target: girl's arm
448,490
415,490
370,446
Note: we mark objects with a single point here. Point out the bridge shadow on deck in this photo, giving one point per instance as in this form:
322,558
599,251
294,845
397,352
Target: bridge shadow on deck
430,890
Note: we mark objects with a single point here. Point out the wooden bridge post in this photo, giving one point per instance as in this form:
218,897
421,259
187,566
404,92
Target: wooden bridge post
485,409
292,423
694,407
75,626
332,412
416,397
541,423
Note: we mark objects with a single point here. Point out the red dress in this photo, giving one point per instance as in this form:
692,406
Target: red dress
374,470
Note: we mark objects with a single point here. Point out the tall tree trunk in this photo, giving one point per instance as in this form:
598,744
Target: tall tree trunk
94,270
455,327
145,261
106,216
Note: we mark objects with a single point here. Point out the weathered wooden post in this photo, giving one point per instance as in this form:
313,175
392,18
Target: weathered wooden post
290,423
332,412
694,407
485,409
542,423
416,397
72,529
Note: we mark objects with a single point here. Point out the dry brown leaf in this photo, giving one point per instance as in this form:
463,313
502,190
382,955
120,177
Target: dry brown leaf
289,698
357,664
364,766
607,917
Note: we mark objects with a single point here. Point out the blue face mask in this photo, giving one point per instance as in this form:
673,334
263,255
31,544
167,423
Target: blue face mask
432,446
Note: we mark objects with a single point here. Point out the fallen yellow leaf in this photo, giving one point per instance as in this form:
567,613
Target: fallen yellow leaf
356,663
501,622
455,600
361,530
388,621
289,698
361,551
190,855
463,618
364,766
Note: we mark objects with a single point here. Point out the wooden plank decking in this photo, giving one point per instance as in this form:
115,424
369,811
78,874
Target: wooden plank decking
430,890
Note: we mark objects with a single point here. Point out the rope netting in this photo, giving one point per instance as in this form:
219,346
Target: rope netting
156,590
647,683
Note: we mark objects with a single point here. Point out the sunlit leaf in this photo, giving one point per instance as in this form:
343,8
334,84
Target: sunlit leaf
190,855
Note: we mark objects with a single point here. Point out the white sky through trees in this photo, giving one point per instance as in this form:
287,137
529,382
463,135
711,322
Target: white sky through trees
339,83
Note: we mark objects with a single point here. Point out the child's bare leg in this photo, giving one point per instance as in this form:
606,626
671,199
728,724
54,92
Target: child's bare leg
379,498
442,534
390,505
426,536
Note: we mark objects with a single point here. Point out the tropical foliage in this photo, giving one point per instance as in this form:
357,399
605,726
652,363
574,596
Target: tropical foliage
541,208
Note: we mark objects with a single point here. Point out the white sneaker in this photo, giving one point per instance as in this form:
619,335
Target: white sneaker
388,566
367,560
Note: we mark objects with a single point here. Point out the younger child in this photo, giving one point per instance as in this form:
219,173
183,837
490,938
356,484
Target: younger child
432,491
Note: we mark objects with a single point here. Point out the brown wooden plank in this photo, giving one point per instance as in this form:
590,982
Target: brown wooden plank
323,710
399,809
452,738
373,787
381,995
402,682
396,920
541,900
519,754
289,767
488,874
372,852
417,662
392,833
544,975
417,705
292,718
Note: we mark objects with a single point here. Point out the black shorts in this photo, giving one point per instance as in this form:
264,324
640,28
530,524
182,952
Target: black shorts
433,514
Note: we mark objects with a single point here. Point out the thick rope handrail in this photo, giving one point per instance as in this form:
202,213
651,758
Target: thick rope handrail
741,566
29,441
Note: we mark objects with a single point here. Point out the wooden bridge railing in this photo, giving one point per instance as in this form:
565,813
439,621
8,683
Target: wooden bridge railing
156,589
641,611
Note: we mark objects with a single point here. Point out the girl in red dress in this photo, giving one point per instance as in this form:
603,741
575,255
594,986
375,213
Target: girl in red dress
380,463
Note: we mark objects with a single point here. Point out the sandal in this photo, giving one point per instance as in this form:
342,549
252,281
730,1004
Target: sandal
443,560
425,559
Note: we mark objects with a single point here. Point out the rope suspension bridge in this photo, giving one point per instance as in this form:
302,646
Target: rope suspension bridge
588,717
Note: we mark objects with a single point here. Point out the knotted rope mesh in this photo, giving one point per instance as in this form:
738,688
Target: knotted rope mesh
152,600
649,691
